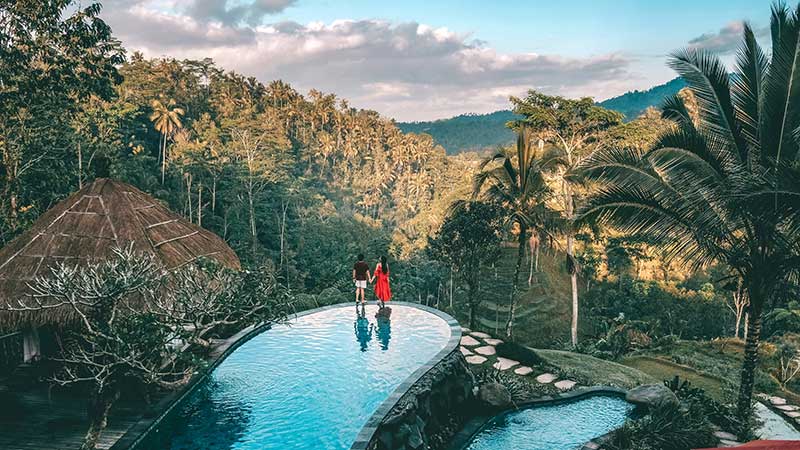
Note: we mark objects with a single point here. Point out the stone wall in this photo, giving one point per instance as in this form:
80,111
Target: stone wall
431,411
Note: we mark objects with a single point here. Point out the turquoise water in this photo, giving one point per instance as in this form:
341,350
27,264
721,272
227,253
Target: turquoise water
311,384
564,426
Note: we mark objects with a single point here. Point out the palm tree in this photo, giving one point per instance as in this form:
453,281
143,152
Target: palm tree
167,120
720,188
516,183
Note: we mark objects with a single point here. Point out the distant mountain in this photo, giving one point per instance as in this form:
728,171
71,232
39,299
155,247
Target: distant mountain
467,131
634,103
480,131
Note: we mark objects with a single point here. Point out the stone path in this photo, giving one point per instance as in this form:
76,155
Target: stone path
779,404
478,349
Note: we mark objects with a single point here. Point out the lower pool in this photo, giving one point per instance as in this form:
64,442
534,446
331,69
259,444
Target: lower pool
310,384
561,426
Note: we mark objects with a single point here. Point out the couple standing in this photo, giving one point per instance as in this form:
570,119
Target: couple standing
361,275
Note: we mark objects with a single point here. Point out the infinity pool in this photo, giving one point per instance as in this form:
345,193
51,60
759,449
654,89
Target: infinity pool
563,426
311,384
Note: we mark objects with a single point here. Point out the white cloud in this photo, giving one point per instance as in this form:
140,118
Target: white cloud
726,40
408,71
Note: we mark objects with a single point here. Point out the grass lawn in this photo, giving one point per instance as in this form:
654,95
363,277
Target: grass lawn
589,370
664,370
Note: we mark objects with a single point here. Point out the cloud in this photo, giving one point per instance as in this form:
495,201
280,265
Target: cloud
408,71
726,40
222,10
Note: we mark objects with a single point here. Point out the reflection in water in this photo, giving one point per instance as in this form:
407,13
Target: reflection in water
384,332
224,419
362,328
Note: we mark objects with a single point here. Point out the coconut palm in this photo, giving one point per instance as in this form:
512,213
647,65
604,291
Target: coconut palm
719,187
167,120
515,181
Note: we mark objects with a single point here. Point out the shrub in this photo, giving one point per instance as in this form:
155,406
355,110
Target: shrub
520,353
666,427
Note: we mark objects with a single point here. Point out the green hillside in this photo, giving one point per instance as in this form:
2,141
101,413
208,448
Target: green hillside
480,131
543,309
467,131
634,103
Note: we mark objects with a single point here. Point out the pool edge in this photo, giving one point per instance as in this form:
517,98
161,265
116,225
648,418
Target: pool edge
367,433
138,431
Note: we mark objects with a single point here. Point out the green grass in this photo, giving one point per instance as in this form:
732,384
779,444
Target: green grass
664,370
590,371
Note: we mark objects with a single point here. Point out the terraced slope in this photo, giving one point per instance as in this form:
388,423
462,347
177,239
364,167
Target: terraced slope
543,307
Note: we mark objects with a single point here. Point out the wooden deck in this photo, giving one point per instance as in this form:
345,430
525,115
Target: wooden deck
35,417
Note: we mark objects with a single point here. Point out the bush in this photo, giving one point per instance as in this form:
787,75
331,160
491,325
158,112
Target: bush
666,427
520,353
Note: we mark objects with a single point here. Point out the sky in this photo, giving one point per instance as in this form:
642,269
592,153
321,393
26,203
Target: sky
430,59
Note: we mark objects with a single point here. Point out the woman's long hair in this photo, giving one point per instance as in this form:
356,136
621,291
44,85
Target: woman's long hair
384,265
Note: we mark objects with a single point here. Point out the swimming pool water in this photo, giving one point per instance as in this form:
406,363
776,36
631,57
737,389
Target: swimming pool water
563,426
311,384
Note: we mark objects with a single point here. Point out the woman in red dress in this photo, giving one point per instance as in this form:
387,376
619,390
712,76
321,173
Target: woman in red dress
382,290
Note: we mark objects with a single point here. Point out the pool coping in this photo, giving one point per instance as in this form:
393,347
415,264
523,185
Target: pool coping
138,431
369,429
476,424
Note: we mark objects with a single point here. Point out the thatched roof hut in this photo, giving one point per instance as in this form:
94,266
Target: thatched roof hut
86,227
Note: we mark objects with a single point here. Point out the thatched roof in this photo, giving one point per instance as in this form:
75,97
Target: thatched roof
87,226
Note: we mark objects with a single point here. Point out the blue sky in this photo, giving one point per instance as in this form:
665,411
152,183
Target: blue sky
419,60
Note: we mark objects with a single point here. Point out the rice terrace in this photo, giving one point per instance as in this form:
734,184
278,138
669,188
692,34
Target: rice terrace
331,225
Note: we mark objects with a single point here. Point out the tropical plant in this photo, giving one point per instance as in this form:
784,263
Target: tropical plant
468,241
166,119
571,126
720,188
516,183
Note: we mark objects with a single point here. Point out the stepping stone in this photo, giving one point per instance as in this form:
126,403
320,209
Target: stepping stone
476,359
724,435
469,341
792,414
546,378
523,370
763,396
491,341
504,363
591,445
465,351
480,335
465,330
486,350
728,443
777,400
787,407
565,385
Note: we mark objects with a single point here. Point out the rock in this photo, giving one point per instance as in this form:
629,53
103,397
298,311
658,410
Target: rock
546,378
564,385
495,395
465,330
480,335
504,363
486,350
728,443
787,407
591,446
475,359
523,370
792,414
725,435
464,351
492,341
651,394
763,396
777,400
469,341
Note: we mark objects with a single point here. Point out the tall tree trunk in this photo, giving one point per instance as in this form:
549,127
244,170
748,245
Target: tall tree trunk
80,165
523,238
163,157
569,204
214,194
99,406
750,356
200,204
